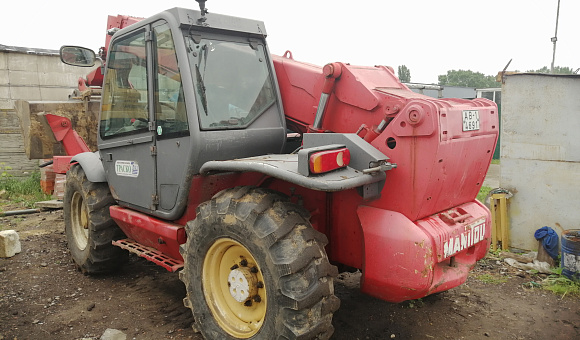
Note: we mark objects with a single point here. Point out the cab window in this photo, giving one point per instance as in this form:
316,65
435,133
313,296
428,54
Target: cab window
233,84
125,100
170,112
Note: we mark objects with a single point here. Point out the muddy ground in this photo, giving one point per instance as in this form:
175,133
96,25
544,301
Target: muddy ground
43,296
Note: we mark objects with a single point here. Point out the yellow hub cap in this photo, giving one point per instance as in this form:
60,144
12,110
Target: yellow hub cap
233,286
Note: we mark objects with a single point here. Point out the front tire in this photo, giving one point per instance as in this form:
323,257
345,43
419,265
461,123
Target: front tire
89,227
256,269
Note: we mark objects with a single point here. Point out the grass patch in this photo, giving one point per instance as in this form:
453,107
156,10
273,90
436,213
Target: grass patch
495,161
488,278
561,285
483,192
25,190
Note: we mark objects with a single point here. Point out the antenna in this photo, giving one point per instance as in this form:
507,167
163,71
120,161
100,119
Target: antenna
555,38
203,11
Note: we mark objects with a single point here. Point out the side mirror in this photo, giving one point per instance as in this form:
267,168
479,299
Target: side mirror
77,56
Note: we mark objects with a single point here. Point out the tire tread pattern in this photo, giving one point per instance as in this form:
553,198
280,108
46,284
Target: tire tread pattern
306,300
100,256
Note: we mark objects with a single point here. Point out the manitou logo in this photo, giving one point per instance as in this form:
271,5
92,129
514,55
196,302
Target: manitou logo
473,234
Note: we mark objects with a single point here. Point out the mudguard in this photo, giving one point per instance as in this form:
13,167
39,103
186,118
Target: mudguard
91,164
287,166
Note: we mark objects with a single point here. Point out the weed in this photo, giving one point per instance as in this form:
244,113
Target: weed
561,285
418,303
4,170
495,161
488,278
22,190
483,192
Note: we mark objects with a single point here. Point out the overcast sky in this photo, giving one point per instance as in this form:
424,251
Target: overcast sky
429,37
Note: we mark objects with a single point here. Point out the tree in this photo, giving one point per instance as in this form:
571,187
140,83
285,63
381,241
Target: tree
467,78
557,70
404,74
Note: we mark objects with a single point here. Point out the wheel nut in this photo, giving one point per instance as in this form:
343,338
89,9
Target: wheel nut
235,266
260,284
248,303
254,269
257,298
244,263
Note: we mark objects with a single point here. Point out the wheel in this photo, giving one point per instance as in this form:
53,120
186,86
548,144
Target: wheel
88,226
256,269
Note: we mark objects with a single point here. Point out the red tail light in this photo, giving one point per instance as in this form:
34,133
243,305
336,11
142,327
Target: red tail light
324,161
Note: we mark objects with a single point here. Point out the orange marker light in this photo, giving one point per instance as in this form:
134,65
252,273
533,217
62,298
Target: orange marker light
324,161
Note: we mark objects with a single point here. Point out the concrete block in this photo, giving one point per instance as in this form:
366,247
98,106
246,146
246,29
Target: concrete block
3,61
53,204
25,93
540,154
58,79
22,62
56,93
4,77
5,100
51,64
24,78
9,243
113,334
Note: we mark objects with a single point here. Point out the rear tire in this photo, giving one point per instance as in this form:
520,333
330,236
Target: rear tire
89,227
256,269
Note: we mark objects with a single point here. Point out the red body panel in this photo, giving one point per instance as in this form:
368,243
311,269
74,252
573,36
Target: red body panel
149,231
400,240
63,132
439,165
61,164
407,260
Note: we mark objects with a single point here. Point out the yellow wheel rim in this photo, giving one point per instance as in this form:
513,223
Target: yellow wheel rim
79,221
234,288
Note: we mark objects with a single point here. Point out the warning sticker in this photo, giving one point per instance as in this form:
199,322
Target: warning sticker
127,168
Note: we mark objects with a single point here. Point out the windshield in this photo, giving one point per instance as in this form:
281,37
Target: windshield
232,82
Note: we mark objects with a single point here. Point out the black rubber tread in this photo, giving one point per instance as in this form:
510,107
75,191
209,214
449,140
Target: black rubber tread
298,275
100,256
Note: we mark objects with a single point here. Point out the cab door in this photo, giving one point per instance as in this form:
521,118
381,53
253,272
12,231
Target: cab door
126,136
172,131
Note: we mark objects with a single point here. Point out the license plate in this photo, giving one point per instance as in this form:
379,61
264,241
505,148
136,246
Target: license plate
470,120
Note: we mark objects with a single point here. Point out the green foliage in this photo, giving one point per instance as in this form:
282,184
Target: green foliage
23,190
4,169
557,70
467,78
493,279
418,303
483,192
495,161
561,285
404,74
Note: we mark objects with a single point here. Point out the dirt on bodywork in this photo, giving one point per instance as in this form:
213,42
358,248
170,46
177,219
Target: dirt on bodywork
43,296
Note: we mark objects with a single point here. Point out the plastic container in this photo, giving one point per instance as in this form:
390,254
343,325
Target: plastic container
570,262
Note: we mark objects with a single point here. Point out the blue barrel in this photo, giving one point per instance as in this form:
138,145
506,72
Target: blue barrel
570,261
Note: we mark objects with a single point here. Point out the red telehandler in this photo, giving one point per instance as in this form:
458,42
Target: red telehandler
257,176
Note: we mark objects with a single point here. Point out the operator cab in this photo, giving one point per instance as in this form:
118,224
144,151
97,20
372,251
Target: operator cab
180,90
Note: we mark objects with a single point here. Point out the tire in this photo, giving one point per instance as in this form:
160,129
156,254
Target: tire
89,227
256,269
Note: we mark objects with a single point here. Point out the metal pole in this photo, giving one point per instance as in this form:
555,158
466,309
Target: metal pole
19,212
555,38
